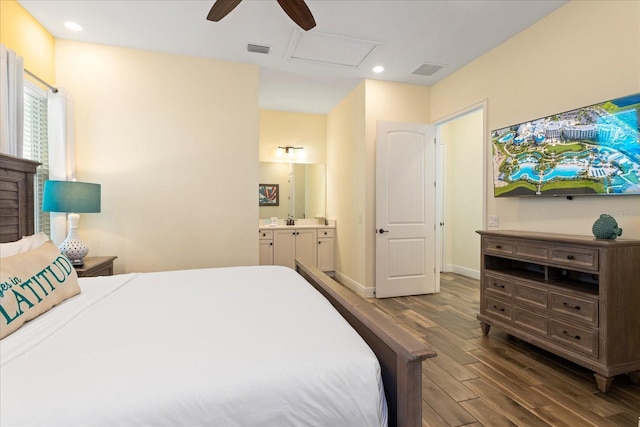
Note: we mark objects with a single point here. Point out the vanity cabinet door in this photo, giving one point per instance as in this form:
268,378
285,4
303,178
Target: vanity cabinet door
290,244
284,247
306,246
326,253
266,252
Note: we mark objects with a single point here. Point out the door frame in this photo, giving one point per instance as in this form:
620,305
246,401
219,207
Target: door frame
440,175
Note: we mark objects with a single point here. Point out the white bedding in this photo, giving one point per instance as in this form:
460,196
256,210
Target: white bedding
242,346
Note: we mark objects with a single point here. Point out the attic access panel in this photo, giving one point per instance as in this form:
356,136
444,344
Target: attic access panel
330,49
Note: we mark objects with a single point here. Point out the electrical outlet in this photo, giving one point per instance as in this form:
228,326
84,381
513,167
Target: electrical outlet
493,220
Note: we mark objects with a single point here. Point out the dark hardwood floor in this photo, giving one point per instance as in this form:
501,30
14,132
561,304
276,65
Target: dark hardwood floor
500,380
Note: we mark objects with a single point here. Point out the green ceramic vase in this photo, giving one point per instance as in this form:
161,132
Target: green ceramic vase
606,227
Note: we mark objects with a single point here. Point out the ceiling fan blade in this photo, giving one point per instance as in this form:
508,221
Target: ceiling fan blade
299,12
221,8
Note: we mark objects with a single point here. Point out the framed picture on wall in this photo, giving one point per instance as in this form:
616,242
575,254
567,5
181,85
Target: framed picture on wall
269,194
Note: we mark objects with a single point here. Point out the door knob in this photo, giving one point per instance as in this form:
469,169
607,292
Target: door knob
382,231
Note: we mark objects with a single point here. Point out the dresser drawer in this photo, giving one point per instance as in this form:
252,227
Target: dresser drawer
574,257
531,321
498,286
265,234
531,295
326,232
498,246
531,251
498,309
577,308
579,339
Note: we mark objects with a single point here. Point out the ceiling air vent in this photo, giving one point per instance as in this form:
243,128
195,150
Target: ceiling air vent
256,48
427,69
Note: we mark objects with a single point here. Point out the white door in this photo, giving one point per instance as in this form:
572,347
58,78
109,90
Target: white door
405,210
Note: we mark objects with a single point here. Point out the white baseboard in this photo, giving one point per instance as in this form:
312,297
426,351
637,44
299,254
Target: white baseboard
355,286
369,292
463,271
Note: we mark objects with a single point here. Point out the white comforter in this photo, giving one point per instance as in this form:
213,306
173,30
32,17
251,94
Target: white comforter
243,346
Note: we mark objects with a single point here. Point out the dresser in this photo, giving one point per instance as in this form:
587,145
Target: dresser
575,296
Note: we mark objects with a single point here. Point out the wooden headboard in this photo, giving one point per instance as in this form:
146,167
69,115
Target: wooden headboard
16,197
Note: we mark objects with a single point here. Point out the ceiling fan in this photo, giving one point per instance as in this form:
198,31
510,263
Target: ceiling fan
296,9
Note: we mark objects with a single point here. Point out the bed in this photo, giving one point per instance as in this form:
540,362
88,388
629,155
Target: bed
207,347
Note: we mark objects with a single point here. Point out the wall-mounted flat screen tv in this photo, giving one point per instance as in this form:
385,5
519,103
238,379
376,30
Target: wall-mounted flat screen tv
589,151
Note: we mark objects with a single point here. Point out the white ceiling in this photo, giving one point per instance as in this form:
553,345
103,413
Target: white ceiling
400,35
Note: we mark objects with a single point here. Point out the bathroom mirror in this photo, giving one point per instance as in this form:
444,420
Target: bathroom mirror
301,189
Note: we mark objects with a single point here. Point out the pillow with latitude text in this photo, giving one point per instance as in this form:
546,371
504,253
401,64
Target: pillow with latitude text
31,283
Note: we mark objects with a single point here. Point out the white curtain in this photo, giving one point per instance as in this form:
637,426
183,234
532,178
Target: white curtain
11,101
62,164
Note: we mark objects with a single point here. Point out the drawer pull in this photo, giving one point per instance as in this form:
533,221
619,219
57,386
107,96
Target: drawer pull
570,256
573,307
498,246
571,336
495,307
495,285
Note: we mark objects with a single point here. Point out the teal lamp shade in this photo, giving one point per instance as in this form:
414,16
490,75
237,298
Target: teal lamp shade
73,197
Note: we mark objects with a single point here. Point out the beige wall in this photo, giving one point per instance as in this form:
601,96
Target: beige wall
282,128
345,183
20,32
462,141
585,52
174,142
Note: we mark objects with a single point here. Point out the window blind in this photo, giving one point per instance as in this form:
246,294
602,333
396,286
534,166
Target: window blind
36,146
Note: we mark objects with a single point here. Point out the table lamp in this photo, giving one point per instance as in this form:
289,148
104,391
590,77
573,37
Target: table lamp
72,197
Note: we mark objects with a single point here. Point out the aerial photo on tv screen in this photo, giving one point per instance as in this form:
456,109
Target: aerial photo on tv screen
591,150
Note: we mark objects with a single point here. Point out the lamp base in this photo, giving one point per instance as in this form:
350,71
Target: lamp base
77,263
72,247
75,250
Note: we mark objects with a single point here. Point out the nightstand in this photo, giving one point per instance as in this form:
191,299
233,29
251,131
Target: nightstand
96,266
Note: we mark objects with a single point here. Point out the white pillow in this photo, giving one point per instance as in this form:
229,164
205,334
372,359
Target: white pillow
25,244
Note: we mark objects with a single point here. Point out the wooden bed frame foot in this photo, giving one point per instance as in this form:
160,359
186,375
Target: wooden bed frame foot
485,328
400,354
604,383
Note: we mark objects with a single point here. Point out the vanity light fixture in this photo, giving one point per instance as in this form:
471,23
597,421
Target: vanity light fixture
291,153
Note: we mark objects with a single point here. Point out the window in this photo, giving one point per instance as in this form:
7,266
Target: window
36,145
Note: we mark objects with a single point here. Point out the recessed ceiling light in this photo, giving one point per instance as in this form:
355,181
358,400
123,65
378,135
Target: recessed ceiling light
73,26
378,69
